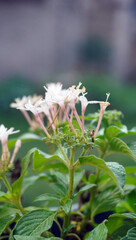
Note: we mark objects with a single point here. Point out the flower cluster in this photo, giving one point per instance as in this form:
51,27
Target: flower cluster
5,161
58,105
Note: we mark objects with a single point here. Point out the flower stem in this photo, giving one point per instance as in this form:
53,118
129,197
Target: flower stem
20,207
58,224
70,190
71,174
63,153
99,123
5,180
77,117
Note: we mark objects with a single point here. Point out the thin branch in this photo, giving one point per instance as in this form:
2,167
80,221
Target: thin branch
55,117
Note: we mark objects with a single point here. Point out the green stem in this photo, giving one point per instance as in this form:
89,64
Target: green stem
70,190
59,226
5,180
63,153
20,207
71,174
83,152
74,235
4,237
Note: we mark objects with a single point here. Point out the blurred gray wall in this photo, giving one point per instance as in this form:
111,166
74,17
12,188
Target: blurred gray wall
39,38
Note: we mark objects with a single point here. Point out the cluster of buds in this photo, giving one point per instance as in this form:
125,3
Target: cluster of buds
58,106
6,162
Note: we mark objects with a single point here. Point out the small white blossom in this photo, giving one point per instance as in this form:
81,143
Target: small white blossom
4,133
5,156
19,102
73,94
55,94
32,107
84,101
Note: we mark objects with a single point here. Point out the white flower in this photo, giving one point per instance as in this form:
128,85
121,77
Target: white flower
84,101
55,94
53,88
34,98
32,107
19,102
103,105
73,94
5,156
4,133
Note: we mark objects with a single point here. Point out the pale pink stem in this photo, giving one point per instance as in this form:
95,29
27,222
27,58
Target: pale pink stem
68,110
52,112
17,146
67,117
26,115
42,125
71,117
99,123
60,115
83,120
5,152
77,117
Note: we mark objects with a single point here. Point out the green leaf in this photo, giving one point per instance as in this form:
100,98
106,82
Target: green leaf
100,232
29,181
67,229
130,170
34,223
54,165
116,220
7,211
5,222
5,197
40,158
47,197
18,237
77,177
130,132
62,178
131,234
112,131
59,189
131,180
105,201
83,189
26,160
114,170
132,147
124,215
119,172
117,145
16,186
